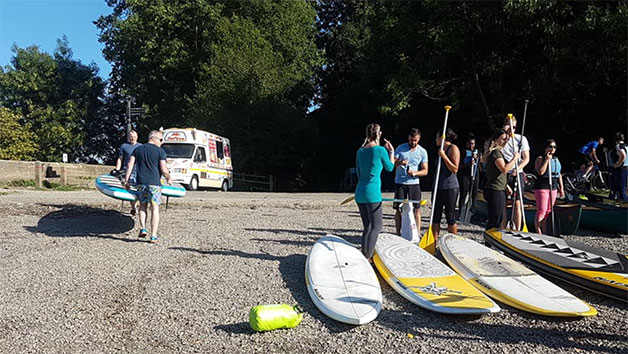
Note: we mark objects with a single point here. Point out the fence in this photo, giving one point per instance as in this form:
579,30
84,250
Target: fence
81,175
248,182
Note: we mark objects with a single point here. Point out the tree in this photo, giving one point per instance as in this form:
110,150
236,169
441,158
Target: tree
16,142
242,69
57,98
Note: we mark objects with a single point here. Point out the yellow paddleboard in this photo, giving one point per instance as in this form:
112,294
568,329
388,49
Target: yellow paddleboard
425,281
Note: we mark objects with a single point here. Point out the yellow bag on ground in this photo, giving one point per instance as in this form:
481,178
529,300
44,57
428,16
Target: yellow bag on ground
270,317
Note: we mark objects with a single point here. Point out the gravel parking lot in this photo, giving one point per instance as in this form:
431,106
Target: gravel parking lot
75,279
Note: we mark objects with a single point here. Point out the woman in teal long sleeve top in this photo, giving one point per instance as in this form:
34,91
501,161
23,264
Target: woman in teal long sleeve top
370,160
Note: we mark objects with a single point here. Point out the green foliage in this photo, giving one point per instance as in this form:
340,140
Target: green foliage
399,63
56,98
242,69
16,141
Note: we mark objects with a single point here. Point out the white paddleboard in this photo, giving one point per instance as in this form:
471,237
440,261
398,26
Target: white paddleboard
409,229
509,281
425,281
341,282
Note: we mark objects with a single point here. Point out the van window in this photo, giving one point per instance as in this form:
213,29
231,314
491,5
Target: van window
200,155
175,151
219,150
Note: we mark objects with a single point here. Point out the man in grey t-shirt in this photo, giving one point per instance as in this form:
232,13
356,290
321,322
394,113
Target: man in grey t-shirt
126,150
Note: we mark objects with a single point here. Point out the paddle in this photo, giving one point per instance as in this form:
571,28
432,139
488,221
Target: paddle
428,242
347,200
518,184
555,230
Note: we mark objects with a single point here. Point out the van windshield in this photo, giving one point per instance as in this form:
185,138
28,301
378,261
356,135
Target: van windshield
178,151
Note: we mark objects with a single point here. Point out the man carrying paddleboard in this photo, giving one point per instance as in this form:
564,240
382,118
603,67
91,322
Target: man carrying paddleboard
521,146
151,164
410,164
126,150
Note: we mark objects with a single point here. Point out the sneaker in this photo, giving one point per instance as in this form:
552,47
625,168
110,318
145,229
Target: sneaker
154,239
143,233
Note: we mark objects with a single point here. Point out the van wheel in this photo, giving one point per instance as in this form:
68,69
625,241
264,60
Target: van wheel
193,184
225,186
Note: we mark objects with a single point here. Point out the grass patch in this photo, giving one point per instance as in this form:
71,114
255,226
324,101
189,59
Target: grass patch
21,183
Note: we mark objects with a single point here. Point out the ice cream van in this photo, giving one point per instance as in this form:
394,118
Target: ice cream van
198,158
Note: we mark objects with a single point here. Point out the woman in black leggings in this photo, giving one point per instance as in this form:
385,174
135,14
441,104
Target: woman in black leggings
496,182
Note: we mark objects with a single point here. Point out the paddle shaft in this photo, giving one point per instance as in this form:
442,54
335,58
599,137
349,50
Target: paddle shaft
442,148
518,184
523,123
554,231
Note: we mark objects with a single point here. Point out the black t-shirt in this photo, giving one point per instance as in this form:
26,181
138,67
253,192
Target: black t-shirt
147,159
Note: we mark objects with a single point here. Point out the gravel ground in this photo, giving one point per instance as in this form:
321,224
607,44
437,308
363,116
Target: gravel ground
76,279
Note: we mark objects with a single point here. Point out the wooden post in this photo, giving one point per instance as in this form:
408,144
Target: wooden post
64,175
38,179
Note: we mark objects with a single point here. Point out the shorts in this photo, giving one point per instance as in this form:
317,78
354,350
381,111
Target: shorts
588,160
511,183
446,198
149,194
407,191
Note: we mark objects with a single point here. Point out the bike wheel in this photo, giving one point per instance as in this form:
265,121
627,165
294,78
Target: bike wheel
530,182
600,181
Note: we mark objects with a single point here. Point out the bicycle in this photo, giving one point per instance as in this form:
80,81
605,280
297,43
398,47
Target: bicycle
577,182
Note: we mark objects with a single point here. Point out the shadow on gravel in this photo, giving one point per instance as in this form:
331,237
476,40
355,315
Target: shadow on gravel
84,221
312,233
236,328
292,272
458,329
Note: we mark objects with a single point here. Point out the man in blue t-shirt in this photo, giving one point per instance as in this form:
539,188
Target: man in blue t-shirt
410,164
590,155
126,150
150,160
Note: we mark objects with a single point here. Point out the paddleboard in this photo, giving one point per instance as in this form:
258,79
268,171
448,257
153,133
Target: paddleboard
341,282
592,268
425,281
111,186
509,281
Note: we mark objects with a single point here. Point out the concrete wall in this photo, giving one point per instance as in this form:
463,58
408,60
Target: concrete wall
77,174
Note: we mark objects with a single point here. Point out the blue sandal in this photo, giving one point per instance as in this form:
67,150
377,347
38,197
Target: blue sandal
154,239
143,233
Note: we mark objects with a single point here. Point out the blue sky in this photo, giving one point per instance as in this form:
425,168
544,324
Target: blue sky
42,22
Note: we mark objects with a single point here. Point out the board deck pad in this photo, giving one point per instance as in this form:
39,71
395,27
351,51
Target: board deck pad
592,268
341,282
425,281
509,281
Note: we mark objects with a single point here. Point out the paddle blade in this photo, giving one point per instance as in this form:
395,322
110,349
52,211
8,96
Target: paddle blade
525,228
350,198
427,242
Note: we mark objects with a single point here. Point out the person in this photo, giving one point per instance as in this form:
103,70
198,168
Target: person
410,164
619,168
589,150
448,188
150,159
520,144
496,185
125,152
371,158
545,200
468,166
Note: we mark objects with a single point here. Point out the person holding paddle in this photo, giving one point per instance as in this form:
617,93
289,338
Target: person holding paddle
518,144
496,182
448,187
371,159
468,174
544,192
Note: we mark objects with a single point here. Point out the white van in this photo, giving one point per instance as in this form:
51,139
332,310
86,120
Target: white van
198,158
